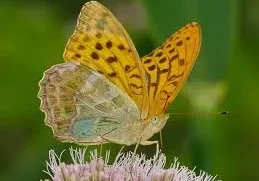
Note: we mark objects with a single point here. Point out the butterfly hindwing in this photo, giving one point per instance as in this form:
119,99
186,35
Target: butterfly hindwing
168,66
82,106
101,43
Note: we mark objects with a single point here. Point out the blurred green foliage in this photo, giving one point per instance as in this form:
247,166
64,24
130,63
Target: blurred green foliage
33,36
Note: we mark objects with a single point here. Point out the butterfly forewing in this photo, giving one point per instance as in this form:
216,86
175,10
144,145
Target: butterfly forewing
101,43
168,66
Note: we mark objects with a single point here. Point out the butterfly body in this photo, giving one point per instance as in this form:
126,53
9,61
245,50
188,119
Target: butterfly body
105,92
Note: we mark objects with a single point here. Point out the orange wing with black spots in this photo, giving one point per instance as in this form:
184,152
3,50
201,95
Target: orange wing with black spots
168,67
101,43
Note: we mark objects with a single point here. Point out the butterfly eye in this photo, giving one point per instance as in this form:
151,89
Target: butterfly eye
155,120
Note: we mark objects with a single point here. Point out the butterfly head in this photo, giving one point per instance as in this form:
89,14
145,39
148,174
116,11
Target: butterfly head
157,119
155,124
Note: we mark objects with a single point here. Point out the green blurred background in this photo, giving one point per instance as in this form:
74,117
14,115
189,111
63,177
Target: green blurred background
225,77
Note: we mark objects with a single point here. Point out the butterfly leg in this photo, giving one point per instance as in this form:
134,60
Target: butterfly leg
158,152
121,149
135,149
151,143
161,139
134,156
101,149
145,143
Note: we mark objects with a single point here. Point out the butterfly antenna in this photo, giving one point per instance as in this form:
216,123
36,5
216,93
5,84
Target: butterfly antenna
195,113
223,112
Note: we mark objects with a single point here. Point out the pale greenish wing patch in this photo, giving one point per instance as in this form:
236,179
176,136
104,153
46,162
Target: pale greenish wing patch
84,128
83,106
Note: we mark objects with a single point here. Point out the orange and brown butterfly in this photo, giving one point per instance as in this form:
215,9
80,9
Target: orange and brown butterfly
104,92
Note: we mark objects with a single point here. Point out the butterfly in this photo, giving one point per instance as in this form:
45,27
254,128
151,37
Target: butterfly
104,92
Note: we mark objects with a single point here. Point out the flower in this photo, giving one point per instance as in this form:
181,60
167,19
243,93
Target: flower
126,167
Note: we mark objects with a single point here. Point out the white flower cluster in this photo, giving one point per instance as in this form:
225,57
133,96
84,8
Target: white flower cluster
126,167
